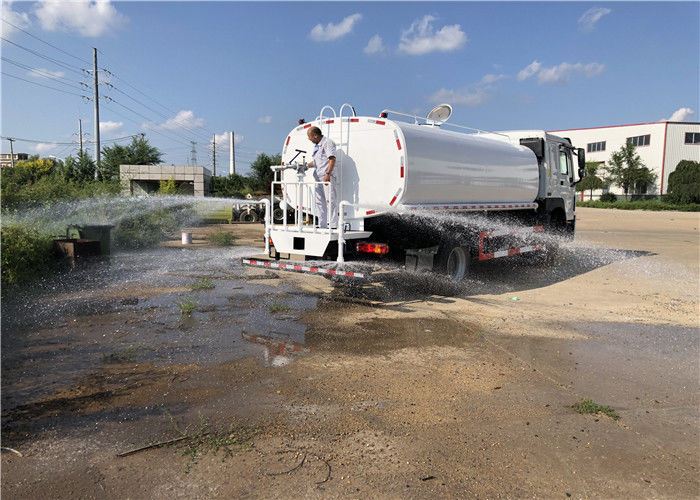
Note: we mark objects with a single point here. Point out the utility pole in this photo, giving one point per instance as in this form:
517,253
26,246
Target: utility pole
213,153
232,161
80,135
12,152
193,154
97,114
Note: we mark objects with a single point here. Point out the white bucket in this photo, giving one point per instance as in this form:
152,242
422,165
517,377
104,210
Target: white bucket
186,238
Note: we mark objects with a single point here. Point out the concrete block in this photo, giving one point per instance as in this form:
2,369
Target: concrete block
198,178
168,169
180,177
179,170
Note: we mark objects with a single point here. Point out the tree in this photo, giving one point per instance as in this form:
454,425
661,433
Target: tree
139,152
591,180
262,176
232,186
684,183
80,168
627,171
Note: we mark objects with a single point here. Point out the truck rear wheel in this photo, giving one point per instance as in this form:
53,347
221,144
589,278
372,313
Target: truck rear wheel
453,261
248,216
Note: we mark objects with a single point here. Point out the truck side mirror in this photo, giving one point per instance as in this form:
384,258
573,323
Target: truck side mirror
581,161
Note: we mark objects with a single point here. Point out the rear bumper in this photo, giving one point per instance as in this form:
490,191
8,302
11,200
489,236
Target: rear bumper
300,268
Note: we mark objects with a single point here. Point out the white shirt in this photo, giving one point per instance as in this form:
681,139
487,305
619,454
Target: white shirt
323,151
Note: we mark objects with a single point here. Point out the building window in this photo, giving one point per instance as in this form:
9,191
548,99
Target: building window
692,137
640,140
596,146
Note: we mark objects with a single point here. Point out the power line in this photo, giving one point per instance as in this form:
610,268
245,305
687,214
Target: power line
57,143
42,85
45,42
45,74
67,66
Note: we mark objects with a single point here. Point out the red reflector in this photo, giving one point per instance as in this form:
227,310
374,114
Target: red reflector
370,212
379,122
288,137
401,171
392,200
354,120
329,121
398,143
307,125
377,248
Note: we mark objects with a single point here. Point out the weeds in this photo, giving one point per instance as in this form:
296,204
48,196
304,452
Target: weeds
186,306
586,407
221,238
204,439
202,284
275,308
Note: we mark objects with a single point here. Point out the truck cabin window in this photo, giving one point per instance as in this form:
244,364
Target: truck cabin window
564,161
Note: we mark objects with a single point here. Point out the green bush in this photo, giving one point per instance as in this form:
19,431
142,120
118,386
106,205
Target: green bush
655,205
221,238
26,254
608,197
684,183
151,228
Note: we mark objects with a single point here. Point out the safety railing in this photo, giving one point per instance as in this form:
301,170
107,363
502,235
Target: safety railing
304,198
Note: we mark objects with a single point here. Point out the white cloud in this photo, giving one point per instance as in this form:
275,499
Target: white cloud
374,46
225,138
466,96
421,38
87,17
46,73
680,115
330,31
472,95
108,127
184,119
265,119
561,74
492,78
588,20
529,70
19,19
45,147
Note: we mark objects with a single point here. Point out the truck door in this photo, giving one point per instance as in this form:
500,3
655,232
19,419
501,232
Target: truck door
565,179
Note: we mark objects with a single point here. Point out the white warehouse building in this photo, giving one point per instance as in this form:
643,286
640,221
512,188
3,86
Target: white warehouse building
660,145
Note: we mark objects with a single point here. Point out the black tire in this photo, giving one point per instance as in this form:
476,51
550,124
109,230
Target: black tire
278,215
453,261
247,216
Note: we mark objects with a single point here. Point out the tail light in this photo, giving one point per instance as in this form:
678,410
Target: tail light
375,248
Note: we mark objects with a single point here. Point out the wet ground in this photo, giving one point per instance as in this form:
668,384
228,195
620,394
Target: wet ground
280,385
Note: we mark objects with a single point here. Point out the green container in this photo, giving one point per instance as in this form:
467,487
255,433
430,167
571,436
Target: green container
99,232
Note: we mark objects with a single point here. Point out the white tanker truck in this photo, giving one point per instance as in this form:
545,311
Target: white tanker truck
396,170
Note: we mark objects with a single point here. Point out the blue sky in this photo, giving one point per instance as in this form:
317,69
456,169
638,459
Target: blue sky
189,70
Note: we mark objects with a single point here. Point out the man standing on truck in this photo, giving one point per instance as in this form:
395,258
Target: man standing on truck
324,167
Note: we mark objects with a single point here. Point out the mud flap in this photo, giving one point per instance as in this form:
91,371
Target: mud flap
420,259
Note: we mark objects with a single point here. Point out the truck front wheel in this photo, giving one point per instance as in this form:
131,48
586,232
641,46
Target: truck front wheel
453,261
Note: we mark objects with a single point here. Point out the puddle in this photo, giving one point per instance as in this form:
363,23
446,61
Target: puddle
128,310
384,335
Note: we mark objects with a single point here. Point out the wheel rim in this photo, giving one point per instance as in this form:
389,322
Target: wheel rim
457,264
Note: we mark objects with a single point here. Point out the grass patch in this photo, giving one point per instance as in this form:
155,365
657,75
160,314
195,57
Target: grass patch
588,407
654,205
122,355
186,306
221,238
275,308
203,439
202,284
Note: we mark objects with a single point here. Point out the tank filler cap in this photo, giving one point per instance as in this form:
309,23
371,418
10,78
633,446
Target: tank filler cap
439,114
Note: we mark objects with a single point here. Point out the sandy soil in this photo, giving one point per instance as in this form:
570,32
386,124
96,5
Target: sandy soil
394,389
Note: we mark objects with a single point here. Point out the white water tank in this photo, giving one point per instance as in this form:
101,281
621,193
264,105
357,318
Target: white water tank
383,163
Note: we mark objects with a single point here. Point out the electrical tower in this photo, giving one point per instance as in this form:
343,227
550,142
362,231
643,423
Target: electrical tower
193,154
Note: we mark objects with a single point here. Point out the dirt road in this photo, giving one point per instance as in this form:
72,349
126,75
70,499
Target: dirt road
290,385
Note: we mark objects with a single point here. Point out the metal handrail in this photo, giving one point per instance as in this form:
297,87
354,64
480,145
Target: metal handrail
427,121
305,190
320,115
